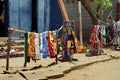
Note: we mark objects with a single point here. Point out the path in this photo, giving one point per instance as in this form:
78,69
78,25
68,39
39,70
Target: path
100,71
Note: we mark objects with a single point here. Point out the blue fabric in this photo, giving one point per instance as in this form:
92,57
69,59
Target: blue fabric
14,14
56,19
20,15
49,16
117,27
44,45
41,15
25,15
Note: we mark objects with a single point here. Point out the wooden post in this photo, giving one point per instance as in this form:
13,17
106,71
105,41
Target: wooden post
10,32
80,22
9,48
63,10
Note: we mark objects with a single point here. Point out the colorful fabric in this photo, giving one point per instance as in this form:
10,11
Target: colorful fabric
110,31
37,46
116,40
68,41
50,45
95,35
117,26
103,35
44,45
31,46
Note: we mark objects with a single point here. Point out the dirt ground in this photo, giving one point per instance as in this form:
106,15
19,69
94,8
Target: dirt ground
100,71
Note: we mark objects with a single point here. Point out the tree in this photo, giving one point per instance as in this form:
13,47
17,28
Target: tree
96,9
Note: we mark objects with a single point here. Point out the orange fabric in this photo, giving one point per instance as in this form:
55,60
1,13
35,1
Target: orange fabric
80,49
31,46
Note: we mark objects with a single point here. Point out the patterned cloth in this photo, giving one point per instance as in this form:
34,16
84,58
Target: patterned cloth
50,43
31,44
44,45
95,35
116,40
37,46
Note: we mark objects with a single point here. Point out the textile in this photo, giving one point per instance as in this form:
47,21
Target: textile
37,46
68,41
50,45
44,45
95,35
116,40
26,48
31,46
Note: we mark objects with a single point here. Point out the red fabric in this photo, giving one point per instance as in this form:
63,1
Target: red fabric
50,46
93,29
92,40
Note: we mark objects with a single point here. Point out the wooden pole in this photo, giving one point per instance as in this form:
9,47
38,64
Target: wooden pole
9,48
16,30
63,10
80,22
10,32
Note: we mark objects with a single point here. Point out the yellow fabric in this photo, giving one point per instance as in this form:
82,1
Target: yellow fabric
80,49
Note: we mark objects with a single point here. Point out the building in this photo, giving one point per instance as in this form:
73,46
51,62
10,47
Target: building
43,15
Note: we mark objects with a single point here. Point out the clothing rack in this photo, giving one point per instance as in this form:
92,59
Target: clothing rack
10,32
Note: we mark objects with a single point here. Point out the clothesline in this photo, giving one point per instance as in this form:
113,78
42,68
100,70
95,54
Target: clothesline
23,32
11,31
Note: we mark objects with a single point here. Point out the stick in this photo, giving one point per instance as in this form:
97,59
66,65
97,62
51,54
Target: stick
16,30
9,48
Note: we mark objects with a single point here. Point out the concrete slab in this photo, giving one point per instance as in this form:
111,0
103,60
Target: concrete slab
12,77
34,75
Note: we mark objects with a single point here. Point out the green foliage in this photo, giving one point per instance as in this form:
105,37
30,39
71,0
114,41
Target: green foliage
105,3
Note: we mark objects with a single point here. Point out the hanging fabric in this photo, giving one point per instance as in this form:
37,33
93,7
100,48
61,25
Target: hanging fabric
50,45
103,35
67,39
26,48
31,44
37,46
20,15
95,35
116,40
44,45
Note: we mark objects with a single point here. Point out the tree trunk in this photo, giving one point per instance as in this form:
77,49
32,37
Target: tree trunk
86,4
100,12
